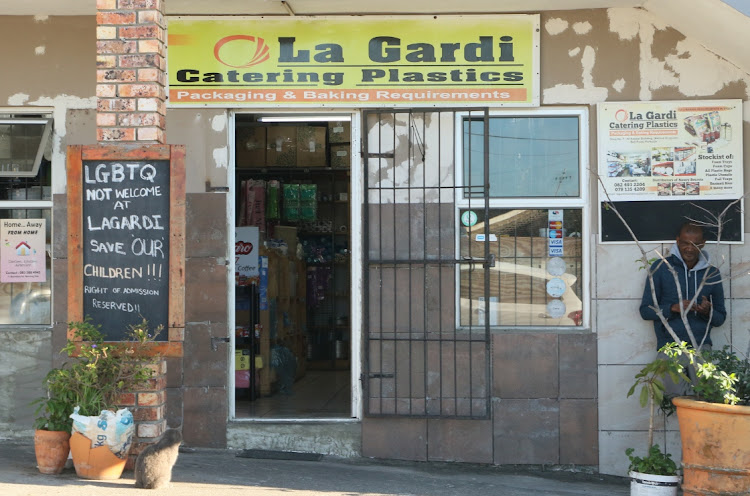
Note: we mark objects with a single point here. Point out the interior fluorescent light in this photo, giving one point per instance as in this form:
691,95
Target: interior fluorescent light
304,118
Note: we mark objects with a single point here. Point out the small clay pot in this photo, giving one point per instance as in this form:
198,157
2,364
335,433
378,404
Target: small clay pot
51,448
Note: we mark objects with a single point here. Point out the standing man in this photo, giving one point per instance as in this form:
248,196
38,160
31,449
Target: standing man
694,274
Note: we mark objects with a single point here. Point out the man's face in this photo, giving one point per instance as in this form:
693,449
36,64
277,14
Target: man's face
690,244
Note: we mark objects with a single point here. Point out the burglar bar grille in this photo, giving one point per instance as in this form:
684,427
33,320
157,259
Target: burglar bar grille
417,362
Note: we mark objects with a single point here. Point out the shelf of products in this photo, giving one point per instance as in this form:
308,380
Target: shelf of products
294,185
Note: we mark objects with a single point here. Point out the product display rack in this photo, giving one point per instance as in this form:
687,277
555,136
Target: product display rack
325,252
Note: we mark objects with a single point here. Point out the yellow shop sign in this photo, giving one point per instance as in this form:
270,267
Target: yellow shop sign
354,61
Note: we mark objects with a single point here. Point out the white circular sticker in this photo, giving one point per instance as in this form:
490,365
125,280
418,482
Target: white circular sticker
556,309
556,266
469,218
556,287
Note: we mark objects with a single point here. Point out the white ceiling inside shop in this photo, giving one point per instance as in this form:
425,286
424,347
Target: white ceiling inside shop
721,26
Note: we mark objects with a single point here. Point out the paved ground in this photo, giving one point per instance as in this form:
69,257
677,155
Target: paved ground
221,472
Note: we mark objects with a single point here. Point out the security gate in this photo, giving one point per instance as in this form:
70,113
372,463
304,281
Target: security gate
420,359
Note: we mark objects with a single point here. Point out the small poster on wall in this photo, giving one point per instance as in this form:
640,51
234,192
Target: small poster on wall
674,150
22,254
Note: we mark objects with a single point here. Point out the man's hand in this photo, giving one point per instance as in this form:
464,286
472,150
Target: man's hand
704,307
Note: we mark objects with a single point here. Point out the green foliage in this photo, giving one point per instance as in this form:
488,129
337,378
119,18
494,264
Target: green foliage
644,265
735,367
650,379
716,372
656,462
97,375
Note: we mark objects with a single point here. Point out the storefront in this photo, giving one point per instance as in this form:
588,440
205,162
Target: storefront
419,271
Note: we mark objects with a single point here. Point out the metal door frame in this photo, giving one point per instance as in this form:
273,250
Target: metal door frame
390,403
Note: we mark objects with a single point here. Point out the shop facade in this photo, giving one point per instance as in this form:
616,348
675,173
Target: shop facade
431,228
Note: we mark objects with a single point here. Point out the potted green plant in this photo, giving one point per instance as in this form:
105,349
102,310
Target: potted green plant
655,473
53,423
714,424
99,373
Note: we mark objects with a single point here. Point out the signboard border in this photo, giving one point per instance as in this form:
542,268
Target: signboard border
535,90
175,155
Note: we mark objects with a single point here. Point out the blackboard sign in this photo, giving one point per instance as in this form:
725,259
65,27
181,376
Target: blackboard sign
660,220
125,207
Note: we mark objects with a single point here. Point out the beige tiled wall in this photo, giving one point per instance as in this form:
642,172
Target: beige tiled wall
625,343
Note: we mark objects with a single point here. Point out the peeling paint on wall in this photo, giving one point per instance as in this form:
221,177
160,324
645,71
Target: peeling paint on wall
619,85
689,67
556,26
582,27
220,157
570,93
574,51
40,50
219,123
41,18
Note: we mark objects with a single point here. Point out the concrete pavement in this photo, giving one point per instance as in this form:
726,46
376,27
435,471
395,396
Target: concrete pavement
221,472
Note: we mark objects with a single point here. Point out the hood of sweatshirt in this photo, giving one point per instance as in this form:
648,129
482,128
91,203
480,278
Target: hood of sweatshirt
703,260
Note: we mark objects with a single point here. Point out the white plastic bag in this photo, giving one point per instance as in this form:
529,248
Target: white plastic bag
112,429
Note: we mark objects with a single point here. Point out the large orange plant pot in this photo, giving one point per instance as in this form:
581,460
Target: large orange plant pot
715,447
95,463
51,448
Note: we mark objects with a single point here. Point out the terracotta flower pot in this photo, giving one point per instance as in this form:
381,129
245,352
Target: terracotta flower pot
95,463
715,447
51,448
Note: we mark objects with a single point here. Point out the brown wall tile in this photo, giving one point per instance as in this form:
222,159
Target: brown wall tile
399,439
579,439
578,370
202,365
468,441
526,431
205,225
59,340
205,290
173,411
174,372
205,417
60,296
60,226
525,365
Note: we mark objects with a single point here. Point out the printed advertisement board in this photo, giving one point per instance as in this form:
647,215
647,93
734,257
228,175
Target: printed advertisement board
674,150
354,61
22,254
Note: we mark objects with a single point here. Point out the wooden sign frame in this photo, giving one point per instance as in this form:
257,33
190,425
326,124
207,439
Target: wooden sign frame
175,155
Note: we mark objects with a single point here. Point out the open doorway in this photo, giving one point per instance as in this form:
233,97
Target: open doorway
292,204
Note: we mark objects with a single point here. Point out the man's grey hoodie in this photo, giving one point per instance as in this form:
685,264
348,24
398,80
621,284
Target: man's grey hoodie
690,281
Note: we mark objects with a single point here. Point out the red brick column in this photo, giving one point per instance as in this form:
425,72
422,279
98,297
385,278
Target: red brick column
149,407
131,71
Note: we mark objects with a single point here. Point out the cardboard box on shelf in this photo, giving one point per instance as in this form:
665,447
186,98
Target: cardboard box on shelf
281,150
339,132
250,143
311,146
340,157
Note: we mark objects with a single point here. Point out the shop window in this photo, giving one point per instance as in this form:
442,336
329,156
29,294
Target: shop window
25,219
529,156
533,272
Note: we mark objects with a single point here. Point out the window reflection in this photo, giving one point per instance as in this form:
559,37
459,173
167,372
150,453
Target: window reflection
528,156
527,286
